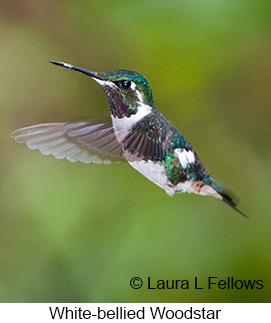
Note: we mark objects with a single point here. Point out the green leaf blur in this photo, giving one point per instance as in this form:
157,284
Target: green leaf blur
79,233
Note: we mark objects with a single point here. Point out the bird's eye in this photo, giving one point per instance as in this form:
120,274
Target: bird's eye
124,84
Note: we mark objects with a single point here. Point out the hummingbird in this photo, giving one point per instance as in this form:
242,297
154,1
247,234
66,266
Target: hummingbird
136,132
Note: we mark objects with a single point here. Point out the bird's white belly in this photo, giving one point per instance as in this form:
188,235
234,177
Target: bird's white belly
154,172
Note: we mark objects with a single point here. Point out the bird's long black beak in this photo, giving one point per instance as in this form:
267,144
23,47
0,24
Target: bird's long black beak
78,69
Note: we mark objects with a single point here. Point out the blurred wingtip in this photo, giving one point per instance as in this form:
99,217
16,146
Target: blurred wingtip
14,135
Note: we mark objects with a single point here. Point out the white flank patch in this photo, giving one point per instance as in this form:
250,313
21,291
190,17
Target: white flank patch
185,157
185,187
124,125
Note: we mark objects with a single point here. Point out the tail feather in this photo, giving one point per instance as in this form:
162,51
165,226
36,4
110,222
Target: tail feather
229,201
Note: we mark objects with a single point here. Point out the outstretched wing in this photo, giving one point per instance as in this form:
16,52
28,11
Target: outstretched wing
91,141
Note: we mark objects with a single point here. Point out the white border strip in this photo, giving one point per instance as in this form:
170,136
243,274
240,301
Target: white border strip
136,312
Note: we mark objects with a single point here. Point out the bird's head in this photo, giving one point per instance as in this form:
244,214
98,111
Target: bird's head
126,90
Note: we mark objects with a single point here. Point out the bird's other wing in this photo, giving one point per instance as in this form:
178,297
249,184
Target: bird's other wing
90,141
147,139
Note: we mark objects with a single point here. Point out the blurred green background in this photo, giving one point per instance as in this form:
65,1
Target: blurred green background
79,233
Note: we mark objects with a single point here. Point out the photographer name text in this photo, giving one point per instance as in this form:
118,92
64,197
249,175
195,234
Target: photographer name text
209,283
